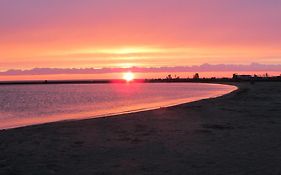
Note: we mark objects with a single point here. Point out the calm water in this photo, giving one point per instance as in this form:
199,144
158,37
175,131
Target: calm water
23,105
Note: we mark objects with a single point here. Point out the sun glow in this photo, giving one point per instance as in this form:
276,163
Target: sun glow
128,76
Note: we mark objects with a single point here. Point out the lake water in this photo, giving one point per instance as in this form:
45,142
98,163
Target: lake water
23,105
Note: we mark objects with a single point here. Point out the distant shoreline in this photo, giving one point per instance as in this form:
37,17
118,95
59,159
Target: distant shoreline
178,80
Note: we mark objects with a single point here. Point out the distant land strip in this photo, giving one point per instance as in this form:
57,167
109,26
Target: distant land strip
175,80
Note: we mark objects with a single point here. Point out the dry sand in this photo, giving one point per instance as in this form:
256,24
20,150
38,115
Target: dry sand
239,133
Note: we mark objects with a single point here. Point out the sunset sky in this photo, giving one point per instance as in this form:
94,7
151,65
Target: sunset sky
144,33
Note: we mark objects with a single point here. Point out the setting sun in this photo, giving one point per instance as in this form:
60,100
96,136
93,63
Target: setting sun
128,76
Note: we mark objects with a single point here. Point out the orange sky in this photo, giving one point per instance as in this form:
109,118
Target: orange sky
125,33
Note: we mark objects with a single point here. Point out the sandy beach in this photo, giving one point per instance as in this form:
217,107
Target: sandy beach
239,133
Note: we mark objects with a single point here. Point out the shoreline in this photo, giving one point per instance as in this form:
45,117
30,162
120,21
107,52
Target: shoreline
119,114
237,133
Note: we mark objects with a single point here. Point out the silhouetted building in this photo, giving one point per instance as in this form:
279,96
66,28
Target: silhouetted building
242,77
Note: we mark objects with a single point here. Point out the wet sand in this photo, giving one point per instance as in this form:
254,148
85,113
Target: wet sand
239,133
